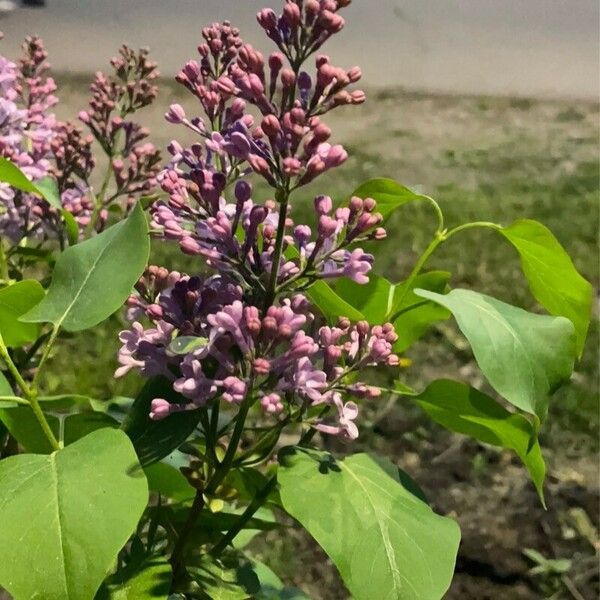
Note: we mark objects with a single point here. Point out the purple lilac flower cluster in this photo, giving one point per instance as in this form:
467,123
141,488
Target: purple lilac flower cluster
135,162
247,333
294,362
42,146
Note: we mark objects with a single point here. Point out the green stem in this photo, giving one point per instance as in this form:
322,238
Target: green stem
14,399
99,200
4,274
439,238
270,296
474,225
45,354
30,394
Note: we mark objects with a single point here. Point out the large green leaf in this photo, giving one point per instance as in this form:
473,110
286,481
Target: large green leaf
373,300
169,482
46,187
16,300
92,280
271,587
151,580
411,315
552,276
388,193
229,578
524,356
465,410
65,516
153,440
385,542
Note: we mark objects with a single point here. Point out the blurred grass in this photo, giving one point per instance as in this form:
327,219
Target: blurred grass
496,159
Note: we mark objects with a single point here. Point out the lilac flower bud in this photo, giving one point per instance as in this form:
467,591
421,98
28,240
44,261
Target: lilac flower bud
175,114
267,19
234,390
243,191
271,403
323,205
288,78
291,14
190,246
327,226
159,409
292,166
354,74
262,366
304,81
270,125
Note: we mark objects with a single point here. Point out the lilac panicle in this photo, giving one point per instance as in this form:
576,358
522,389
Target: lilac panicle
259,337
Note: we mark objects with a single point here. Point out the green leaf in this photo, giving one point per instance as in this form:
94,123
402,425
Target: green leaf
16,300
411,315
5,388
93,279
228,578
151,580
552,276
153,440
524,356
465,410
186,344
79,425
271,587
45,187
388,193
71,227
48,189
380,536
65,516
25,428
373,300
168,481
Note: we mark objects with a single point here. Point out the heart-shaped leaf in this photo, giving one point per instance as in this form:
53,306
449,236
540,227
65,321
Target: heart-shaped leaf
65,516
93,279
552,276
524,356
465,410
385,542
16,300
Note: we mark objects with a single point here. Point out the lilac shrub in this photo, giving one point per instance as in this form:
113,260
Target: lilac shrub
47,150
280,334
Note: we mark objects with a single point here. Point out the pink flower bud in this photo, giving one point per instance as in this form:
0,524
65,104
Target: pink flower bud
175,114
323,205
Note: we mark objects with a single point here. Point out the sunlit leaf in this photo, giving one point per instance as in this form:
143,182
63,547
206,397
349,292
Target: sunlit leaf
385,542
552,276
65,516
93,279
524,356
465,410
16,300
